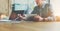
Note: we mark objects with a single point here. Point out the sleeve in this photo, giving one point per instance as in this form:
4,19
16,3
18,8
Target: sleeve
34,11
51,16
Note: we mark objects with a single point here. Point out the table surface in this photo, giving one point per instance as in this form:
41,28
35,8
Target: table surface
30,26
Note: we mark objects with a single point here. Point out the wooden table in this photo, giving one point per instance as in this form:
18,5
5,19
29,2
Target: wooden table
29,26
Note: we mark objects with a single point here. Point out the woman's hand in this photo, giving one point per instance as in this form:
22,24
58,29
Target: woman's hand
38,18
21,16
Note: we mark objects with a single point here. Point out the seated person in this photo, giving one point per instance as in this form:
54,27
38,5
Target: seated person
43,11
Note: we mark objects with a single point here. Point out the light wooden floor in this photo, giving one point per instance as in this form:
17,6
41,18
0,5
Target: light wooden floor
29,26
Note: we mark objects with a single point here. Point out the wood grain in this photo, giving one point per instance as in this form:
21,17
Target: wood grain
27,26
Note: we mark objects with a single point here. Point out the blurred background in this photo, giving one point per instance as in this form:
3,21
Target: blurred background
25,5
14,5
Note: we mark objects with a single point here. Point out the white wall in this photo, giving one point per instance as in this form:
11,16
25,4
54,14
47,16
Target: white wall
3,6
56,7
